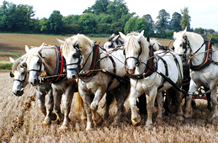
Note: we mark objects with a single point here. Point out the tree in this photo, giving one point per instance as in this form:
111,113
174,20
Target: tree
130,25
162,24
117,8
15,17
175,22
88,23
140,25
99,7
55,23
185,21
43,23
150,23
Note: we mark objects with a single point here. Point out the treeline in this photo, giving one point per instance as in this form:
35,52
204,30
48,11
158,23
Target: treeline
104,17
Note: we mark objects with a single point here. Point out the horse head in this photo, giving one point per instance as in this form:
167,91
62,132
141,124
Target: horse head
113,42
181,43
135,46
35,64
77,51
19,74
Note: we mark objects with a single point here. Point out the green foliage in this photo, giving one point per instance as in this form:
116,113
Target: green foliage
162,24
88,22
55,22
175,22
5,66
185,21
103,17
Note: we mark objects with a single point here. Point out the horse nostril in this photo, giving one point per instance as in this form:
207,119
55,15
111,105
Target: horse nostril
73,76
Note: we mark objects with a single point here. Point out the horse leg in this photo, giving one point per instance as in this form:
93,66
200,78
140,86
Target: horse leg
160,102
49,107
135,117
208,99
57,102
141,104
188,108
214,118
67,100
87,101
122,93
109,99
150,106
178,96
41,99
94,106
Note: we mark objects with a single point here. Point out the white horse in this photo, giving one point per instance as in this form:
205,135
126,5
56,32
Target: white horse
20,74
147,70
97,73
203,60
47,61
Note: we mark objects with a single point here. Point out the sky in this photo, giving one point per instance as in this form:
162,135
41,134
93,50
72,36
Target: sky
203,14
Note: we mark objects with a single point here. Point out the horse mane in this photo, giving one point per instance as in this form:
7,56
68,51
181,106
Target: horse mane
132,42
79,39
156,44
17,62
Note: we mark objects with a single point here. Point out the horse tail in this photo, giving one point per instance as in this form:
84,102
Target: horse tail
78,102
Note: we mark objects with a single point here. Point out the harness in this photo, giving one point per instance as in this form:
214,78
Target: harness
94,65
60,73
207,57
150,66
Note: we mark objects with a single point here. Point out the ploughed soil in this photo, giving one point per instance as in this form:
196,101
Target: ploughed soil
21,121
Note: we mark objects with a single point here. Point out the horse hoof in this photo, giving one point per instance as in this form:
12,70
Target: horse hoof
83,117
63,127
159,121
180,118
187,116
215,122
45,123
136,121
98,122
53,116
148,126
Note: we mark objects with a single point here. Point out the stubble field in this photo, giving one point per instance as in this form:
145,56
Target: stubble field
21,119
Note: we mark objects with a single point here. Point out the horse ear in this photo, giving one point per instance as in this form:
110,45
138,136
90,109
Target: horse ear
27,49
11,60
61,42
140,35
111,37
115,38
123,36
184,32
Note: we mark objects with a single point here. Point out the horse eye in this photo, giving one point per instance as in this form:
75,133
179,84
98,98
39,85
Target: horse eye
75,55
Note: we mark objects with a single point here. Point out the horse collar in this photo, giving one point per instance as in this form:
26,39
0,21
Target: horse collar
94,65
207,57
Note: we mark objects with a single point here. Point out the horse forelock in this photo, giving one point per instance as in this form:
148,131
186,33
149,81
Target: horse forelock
135,44
80,39
18,62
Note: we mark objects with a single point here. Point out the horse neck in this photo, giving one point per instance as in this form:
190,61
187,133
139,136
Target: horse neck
50,60
195,44
88,54
144,57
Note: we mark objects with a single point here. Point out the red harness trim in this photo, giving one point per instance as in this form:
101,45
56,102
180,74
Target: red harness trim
62,65
207,60
94,62
151,63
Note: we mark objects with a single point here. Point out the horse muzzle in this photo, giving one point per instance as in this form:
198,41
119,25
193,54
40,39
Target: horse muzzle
131,70
18,92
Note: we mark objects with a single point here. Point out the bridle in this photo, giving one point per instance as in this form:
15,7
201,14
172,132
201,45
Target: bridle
40,63
137,59
78,55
